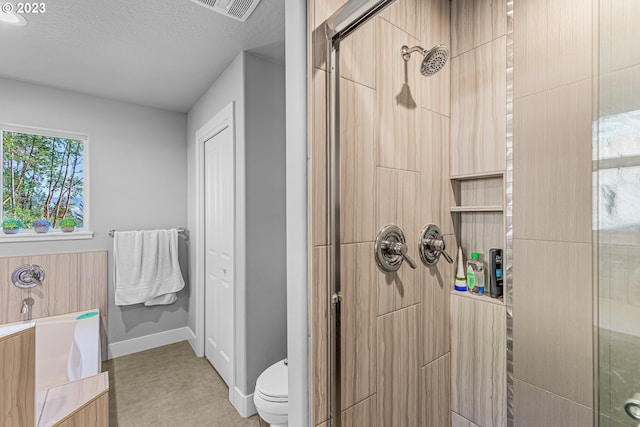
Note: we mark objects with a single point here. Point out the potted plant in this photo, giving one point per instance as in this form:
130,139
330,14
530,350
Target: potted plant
68,225
12,226
41,225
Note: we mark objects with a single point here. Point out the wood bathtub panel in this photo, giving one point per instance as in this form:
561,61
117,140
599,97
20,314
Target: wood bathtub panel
17,378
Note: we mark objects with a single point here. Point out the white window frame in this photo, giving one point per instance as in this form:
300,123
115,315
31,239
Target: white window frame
29,235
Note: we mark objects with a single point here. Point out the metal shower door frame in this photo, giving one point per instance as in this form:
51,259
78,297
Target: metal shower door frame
337,27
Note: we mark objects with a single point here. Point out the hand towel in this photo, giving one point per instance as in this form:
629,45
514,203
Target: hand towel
146,267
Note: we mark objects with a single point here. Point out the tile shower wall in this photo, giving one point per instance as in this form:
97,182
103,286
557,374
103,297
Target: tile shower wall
395,168
552,292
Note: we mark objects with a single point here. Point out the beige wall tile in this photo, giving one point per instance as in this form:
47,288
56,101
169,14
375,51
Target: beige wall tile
318,163
551,44
358,323
480,232
534,407
476,22
619,91
59,292
398,373
460,421
436,193
435,393
398,99
11,296
437,281
478,361
436,23
481,192
357,152
404,14
397,196
625,33
436,89
362,414
319,363
478,110
552,324
552,165
357,55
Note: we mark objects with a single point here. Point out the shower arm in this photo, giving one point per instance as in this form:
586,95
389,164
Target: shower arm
407,51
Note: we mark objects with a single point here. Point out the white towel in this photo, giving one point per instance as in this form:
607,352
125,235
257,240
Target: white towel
146,267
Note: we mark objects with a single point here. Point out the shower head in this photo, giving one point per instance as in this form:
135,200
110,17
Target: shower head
432,60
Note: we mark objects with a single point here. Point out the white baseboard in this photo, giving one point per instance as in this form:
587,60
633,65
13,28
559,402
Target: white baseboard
193,342
243,403
147,342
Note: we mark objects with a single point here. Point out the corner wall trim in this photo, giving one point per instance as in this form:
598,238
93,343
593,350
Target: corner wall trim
243,403
147,342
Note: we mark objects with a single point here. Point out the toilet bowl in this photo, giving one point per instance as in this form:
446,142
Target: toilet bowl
271,396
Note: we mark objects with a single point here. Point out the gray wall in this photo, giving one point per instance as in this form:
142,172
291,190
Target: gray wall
266,296
137,181
257,87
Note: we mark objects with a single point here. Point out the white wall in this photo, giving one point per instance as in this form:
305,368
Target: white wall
137,181
257,88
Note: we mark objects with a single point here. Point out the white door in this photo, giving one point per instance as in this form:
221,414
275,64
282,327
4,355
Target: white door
219,246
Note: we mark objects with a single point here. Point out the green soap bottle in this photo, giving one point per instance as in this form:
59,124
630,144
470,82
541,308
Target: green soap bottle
475,274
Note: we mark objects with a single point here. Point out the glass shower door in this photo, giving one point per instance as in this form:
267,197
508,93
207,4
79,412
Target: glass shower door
616,155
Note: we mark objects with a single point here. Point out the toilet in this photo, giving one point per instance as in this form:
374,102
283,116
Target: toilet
271,396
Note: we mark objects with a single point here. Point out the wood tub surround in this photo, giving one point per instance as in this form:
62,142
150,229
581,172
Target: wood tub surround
75,281
80,403
17,378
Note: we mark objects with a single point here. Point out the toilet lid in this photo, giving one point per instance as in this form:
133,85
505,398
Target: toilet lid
274,381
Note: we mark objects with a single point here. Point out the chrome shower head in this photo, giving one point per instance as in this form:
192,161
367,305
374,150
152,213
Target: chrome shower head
432,60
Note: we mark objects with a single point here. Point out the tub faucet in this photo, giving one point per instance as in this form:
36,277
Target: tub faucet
27,305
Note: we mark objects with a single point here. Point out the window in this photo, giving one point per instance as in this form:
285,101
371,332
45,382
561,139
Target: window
43,176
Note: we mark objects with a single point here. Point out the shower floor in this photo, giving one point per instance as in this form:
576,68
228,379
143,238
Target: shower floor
619,373
169,386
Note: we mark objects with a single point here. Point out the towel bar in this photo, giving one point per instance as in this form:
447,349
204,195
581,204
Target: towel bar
181,230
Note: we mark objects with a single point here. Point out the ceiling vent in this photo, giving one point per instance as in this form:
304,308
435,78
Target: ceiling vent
239,10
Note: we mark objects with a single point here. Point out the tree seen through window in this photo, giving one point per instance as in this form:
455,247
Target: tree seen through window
42,177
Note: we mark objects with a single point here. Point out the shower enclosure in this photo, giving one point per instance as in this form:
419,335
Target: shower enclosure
380,319
616,214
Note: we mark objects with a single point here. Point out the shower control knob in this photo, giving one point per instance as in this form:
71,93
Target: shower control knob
391,249
431,245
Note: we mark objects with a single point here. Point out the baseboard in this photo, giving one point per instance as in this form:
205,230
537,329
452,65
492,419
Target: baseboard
147,342
243,403
193,342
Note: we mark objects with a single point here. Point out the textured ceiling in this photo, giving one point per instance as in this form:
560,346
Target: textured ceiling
159,53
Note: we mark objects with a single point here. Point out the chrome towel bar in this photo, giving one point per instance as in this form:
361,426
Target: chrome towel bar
181,230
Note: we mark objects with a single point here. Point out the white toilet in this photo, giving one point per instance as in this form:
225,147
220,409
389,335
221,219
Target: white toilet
271,396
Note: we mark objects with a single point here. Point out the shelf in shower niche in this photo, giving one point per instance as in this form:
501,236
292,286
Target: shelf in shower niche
483,298
496,208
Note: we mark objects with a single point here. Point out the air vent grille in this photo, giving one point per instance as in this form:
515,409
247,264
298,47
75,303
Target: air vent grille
236,9
239,7
207,3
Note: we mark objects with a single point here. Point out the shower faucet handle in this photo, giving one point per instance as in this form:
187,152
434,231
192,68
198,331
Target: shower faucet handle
391,249
397,248
431,245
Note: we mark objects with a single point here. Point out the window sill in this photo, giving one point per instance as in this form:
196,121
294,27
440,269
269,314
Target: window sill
32,236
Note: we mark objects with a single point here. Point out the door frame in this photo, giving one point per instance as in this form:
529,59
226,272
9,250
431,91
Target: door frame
222,120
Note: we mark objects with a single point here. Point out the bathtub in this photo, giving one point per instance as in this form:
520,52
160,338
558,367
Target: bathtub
67,348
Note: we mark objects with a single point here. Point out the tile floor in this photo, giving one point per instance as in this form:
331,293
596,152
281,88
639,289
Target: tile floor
169,386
